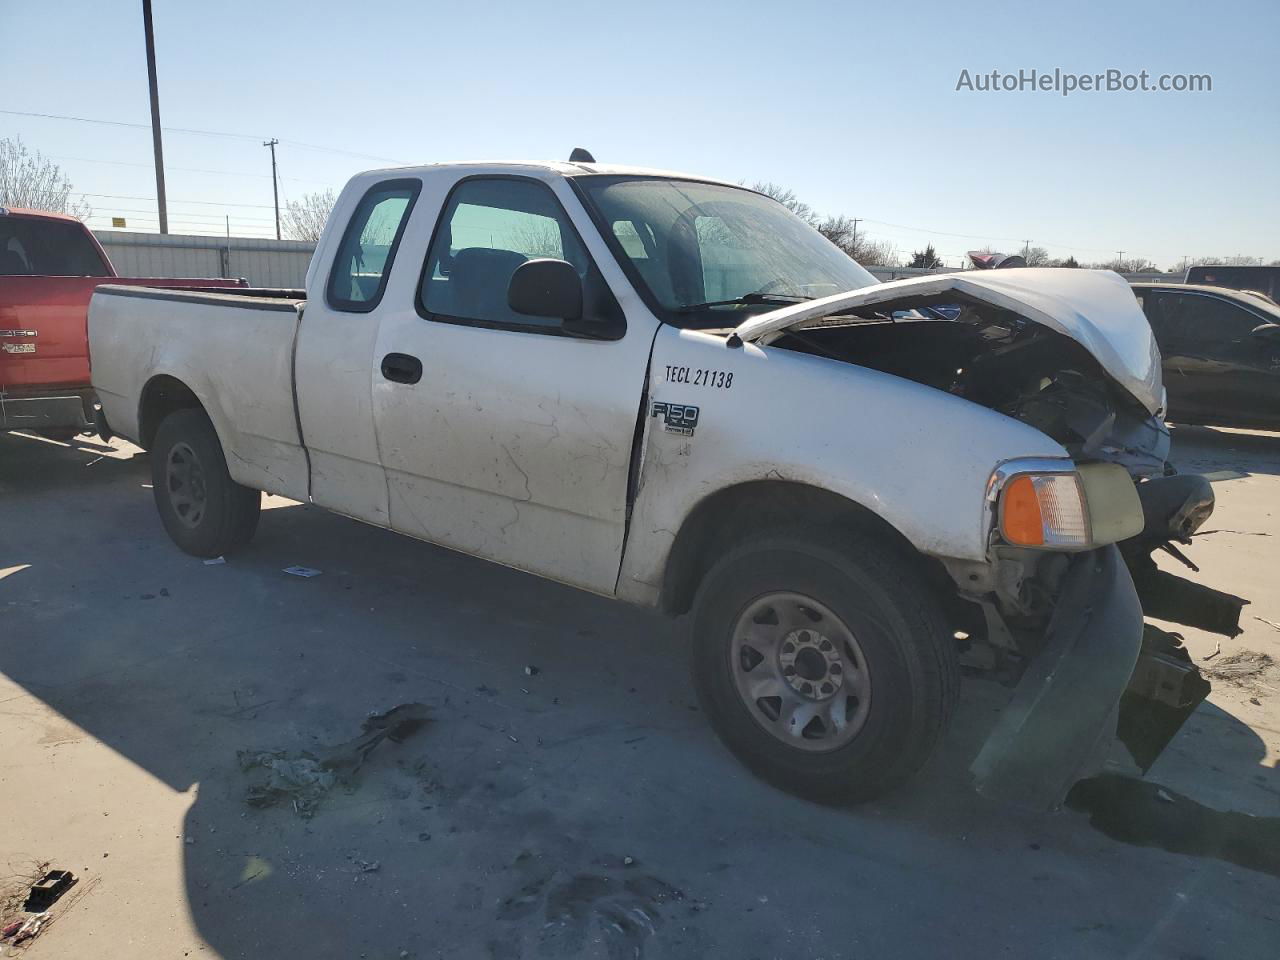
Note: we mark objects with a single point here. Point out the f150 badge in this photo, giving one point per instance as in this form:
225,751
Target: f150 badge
676,417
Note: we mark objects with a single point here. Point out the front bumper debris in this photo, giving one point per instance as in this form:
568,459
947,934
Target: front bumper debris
1165,689
1173,509
1102,669
1063,712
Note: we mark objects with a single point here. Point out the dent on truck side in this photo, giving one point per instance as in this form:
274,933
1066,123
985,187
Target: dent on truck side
719,417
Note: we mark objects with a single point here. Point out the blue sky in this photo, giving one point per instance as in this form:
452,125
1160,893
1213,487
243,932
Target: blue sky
852,105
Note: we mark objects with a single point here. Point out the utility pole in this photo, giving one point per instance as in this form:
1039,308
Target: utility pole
1120,260
275,189
161,202
854,242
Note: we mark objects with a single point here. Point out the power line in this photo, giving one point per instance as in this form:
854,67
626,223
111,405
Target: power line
184,215
203,203
201,133
169,166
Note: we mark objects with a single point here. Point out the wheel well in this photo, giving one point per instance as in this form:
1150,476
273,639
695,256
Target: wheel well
160,397
728,515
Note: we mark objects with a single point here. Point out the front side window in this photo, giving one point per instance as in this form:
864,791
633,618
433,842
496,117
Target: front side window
488,228
368,247
690,244
1190,318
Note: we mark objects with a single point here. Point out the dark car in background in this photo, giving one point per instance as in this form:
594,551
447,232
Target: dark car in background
1221,350
1264,280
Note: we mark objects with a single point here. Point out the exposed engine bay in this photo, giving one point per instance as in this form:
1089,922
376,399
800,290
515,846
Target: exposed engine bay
1003,361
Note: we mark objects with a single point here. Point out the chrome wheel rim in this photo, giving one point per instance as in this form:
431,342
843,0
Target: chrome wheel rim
184,481
800,672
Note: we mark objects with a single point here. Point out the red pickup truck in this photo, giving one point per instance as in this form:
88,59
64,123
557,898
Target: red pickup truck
49,267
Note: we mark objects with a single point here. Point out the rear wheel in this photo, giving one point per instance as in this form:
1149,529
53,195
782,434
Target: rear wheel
204,511
823,663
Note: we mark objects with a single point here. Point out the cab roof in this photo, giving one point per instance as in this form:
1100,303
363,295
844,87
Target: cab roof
29,214
563,168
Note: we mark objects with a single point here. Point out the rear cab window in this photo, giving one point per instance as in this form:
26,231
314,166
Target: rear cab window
34,247
368,249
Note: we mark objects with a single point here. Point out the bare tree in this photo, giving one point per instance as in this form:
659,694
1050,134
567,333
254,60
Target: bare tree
305,219
843,232
1036,256
538,237
839,229
1238,260
30,179
788,199
1135,265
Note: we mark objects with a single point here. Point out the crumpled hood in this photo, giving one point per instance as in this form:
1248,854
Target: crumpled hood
1095,308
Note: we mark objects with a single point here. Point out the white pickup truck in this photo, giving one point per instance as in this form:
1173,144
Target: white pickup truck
669,390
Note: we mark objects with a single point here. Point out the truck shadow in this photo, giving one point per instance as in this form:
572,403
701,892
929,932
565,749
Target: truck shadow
566,792
30,463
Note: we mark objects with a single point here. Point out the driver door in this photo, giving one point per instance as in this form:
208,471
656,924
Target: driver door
513,439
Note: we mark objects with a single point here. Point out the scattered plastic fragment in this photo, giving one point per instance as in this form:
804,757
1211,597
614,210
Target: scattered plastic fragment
303,571
214,561
531,671
30,928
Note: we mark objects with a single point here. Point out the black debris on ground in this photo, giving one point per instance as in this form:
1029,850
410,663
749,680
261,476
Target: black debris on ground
302,778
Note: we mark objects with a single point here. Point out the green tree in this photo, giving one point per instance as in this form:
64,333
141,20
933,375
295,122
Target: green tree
927,258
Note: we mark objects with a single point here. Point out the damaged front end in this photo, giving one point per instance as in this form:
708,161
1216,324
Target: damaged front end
1093,667
1069,353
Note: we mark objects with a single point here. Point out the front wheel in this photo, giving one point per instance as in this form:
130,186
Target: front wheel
823,663
204,511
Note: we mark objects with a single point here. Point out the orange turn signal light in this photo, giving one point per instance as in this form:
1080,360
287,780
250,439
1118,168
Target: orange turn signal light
1021,521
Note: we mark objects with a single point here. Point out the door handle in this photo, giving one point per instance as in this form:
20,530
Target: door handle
401,368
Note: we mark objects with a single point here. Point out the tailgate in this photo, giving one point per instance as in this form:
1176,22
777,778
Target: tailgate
43,340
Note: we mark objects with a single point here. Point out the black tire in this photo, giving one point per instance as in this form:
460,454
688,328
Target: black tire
227,514
908,654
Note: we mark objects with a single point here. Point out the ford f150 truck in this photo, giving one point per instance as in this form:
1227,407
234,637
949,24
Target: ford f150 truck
49,266
669,390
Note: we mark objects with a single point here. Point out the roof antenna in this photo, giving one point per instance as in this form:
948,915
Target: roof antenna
581,155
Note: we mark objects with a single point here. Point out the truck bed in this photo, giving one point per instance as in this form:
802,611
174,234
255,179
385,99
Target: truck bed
234,351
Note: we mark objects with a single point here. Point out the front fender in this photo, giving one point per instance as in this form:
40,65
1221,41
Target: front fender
719,416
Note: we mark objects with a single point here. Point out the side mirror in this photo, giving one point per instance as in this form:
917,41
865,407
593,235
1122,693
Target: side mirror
1267,331
546,288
